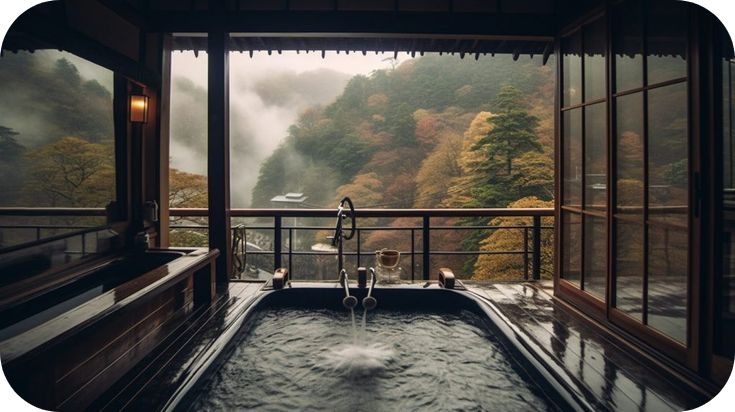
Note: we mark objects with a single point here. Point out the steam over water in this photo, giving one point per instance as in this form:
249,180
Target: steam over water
289,360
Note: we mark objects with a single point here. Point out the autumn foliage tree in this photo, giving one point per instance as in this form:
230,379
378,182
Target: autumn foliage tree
187,190
73,172
511,267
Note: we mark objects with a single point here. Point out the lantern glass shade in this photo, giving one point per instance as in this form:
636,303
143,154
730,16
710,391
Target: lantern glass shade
138,108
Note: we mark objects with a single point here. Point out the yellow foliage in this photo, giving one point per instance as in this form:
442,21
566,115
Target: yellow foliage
367,187
186,189
458,193
377,100
74,172
510,267
437,170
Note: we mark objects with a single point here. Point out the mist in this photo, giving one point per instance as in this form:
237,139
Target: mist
267,94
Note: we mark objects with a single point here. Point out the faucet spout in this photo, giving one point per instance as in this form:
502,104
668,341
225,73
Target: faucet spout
369,302
348,301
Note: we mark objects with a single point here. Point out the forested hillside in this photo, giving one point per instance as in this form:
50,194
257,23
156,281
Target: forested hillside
56,132
432,132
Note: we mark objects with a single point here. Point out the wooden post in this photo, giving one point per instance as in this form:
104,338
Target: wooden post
218,154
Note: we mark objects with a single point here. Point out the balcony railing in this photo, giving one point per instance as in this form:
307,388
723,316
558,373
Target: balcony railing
285,251
281,231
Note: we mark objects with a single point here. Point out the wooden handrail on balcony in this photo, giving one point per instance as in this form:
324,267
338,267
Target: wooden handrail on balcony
278,214
52,211
474,212
425,228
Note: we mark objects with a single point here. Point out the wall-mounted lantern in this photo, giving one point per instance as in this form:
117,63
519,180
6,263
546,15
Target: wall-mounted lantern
138,108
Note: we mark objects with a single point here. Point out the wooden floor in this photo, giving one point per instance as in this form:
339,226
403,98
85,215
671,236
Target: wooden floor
609,375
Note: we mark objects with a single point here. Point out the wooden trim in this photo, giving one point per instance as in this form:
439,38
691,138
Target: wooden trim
164,140
644,333
650,87
588,303
644,141
558,173
611,135
589,103
698,109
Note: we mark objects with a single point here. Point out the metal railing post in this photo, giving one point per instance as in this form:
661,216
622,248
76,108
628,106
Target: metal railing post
277,242
536,247
359,255
525,253
426,233
413,255
290,251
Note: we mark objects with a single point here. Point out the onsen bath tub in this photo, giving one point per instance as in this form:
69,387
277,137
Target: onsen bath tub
422,348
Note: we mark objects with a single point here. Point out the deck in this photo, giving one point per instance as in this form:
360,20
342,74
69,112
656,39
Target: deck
609,374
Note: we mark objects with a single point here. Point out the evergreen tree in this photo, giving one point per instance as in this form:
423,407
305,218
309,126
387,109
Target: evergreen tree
513,134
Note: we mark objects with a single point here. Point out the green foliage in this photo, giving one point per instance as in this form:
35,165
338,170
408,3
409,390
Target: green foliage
373,121
418,135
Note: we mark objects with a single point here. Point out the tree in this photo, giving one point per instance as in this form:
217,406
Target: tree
514,133
438,171
533,175
365,187
187,190
511,267
73,172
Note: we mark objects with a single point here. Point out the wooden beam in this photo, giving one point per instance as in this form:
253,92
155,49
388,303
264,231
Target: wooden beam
218,154
516,25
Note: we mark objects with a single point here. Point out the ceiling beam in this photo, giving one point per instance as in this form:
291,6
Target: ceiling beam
519,26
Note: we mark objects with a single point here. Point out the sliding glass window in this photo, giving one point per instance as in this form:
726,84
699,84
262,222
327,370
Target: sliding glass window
584,158
651,211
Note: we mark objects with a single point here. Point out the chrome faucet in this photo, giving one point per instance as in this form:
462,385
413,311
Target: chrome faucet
339,234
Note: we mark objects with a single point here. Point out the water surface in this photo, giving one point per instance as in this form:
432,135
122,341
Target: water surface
290,359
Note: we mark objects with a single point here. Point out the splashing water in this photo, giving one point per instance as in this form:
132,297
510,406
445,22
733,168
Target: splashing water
358,359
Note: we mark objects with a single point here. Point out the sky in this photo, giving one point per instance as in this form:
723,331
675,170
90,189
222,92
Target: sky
186,64
267,93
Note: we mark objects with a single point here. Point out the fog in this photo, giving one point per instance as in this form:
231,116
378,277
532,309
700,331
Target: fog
267,93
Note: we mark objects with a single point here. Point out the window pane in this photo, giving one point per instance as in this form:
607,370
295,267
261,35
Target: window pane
595,256
188,147
668,154
667,281
595,45
629,268
628,44
595,148
572,246
57,143
667,40
572,142
629,148
572,74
